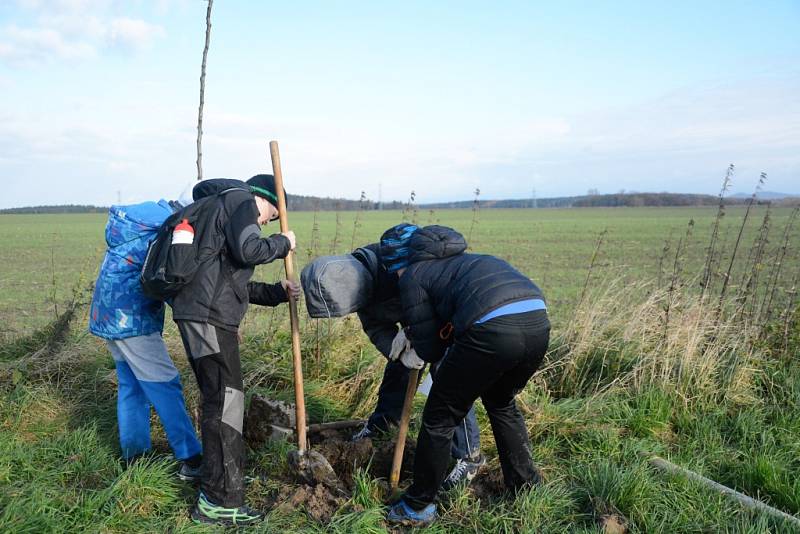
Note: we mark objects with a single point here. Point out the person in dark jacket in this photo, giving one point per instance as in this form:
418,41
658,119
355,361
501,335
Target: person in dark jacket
208,312
494,321
379,320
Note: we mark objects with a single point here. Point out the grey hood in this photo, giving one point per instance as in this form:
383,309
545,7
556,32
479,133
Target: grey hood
336,286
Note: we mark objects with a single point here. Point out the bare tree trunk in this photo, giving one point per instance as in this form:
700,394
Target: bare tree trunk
202,94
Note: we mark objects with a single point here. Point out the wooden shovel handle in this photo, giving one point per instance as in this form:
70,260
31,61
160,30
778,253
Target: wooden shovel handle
405,417
297,361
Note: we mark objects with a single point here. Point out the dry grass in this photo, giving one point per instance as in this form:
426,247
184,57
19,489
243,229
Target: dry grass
615,342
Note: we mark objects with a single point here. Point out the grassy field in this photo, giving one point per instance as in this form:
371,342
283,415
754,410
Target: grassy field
640,365
45,257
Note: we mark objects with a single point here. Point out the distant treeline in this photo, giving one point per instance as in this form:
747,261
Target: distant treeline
619,200
64,208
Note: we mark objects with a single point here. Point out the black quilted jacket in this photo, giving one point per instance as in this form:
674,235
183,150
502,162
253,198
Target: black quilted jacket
443,284
380,317
221,289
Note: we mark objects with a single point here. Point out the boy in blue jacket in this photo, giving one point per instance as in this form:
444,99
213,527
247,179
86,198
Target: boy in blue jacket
132,325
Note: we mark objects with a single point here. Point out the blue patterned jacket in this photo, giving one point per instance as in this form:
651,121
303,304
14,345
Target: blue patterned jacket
119,309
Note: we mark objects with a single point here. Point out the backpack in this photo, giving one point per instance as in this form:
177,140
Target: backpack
119,309
168,267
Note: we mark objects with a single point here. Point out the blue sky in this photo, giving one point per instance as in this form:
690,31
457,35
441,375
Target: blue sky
100,97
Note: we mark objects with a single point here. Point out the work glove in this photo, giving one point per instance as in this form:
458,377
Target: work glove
399,344
410,359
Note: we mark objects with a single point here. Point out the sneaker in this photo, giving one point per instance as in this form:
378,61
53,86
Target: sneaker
463,472
402,514
188,473
209,513
365,432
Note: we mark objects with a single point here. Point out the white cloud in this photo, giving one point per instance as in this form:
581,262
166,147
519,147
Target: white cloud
26,45
133,34
73,30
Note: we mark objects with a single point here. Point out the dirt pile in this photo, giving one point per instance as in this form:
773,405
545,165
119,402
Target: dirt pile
318,501
267,419
376,456
322,500
488,485
345,457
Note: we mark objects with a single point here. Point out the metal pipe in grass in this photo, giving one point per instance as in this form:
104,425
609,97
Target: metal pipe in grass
741,498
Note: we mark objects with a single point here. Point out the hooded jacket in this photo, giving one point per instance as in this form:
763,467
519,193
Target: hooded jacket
443,284
380,317
119,308
221,289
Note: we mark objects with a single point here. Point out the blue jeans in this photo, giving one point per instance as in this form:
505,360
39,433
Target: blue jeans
148,378
466,439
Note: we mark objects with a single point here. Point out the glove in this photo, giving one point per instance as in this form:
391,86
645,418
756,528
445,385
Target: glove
410,359
399,344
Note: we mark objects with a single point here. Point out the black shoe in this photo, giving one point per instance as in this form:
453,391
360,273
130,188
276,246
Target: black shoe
188,473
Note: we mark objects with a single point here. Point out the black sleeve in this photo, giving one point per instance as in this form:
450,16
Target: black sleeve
423,323
266,294
243,237
380,331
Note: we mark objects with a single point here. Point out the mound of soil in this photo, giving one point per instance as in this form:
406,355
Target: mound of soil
345,457
322,500
381,464
488,485
318,501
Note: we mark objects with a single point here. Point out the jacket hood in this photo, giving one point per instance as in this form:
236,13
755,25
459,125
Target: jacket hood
126,223
368,256
435,242
335,286
206,188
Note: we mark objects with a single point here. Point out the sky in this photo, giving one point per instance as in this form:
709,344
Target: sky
99,97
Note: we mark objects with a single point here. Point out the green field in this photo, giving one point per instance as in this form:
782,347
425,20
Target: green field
640,366
49,255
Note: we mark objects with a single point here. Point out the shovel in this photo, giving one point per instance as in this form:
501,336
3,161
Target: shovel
309,465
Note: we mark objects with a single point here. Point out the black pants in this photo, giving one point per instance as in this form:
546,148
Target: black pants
214,357
492,361
391,395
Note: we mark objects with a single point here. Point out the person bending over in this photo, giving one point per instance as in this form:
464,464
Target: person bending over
494,321
132,325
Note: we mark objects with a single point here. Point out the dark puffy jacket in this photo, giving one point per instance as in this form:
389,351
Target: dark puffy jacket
442,285
221,289
379,319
